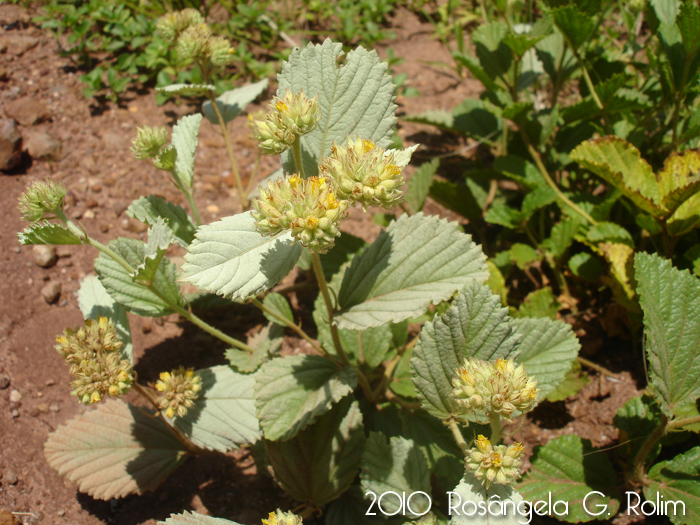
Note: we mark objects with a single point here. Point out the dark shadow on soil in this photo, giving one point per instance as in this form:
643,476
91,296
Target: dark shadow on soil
551,415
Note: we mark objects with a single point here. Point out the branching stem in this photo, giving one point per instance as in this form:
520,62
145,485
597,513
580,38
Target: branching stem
457,434
289,324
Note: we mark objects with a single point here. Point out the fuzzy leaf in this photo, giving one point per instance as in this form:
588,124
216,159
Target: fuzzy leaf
291,392
114,450
186,89
160,237
471,489
678,480
267,342
134,297
586,266
669,299
569,469
321,462
397,466
184,139
356,98
230,258
474,326
47,233
523,255
609,232
192,518
574,380
149,209
540,303
679,179
280,306
346,246
636,418
233,102
577,27
416,261
419,185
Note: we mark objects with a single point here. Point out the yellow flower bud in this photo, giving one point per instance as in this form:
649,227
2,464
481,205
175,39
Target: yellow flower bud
289,117
179,388
282,518
499,464
42,200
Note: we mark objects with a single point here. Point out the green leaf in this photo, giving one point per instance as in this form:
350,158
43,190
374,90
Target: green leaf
401,382
95,302
568,469
47,233
578,28
397,466
666,10
356,97
186,89
192,518
321,462
232,103
520,43
574,380
504,215
518,169
230,258
523,255
223,416
149,209
620,164
419,185
609,232
562,236
346,246
416,261
677,480
679,179
637,419
495,57
114,450
536,199
455,197
280,306
267,342
586,266
669,299
185,140
134,297
471,489
478,119
291,392
159,240
474,326
540,303
548,349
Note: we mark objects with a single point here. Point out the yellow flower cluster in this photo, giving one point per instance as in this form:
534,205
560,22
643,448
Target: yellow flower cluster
179,389
290,117
282,518
499,464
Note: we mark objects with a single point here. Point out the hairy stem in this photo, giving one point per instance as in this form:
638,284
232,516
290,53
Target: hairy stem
457,434
594,366
296,151
640,473
495,422
193,207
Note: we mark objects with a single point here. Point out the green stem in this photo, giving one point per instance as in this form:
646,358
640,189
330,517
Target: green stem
589,82
459,438
289,324
680,423
296,151
639,474
193,207
495,421
323,286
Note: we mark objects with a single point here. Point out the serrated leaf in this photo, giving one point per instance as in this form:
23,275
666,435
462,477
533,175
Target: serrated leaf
134,297
279,305
397,466
520,43
518,169
233,102
609,232
679,179
47,233
401,382
419,185
562,236
267,342
689,26
621,259
669,299
291,392
540,303
95,302
356,98
416,261
666,10
186,89
568,469
114,450
523,255
321,462
620,164
536,199
223,416
547,349
495,57
149,209
230,258
638,418
184,140
455,197
677,480
160,237
574,380
478,119
434,117
192,518
586,266
346,246
576,27
471,489
474,326
504,215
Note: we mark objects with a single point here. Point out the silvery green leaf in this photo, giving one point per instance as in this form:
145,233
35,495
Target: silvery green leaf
159,240
223,416
547,349
279,305
233,102
114,450
356,98
402,156
266,343
476,325
47,233
95,302
470,489
397,466
417,261
148,209
291,392
230,258
192,518
419,185
186,89
184,139
320,463
134,297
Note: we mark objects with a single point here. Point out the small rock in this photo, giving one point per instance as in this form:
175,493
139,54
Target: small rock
76,213
43,408
10,477
14,414
27,111
63,302
120,207
146,329
54,408
44,256
133,225
15,396
17,45
7,518
34,412
91,203
3,74
50,382
43,146
89,214
213,208
4,382
104,227
10,144
61,513
51,292
16,249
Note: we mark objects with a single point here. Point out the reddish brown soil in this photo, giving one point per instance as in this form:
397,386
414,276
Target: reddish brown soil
103,178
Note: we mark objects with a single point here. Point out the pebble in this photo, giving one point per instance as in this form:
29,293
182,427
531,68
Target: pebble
44,256
43,146
15,396
104,227
4,382
17,45
89,214
10,477
213,208
50,382
10,144
55,408
133,225
91,203
16,249
27,111
146,329
61,513
14,414
43,408
51,292
63,302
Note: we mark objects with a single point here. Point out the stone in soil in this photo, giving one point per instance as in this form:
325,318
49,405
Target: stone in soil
7,518
10,144
27,111
18,45
4,382
15,396
44,256
43,146
10,477
51,292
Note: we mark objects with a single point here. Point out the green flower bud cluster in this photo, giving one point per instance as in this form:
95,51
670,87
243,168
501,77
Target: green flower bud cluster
42,200
170,26
289,117
149,142
499,464
500,388
179,389
365,173
307,207
282,518
97,364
